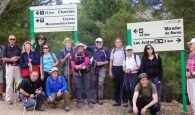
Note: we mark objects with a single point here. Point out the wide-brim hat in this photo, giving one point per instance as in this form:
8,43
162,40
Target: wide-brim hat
40,36
192,41
54,69
79,44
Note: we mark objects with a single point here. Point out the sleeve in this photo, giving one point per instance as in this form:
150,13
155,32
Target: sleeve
35,59
23,64
86,60
138,60
5,52
137,88
24,84
112,55
48,91
160,69
64,83
62,54
154,90
90,48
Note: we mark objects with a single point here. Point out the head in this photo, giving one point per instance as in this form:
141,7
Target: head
191,45
34,76
40,40
148,50
68,42
46,48
26,47
12,39
54,72
99,42
143,79
79,47
118,42
129,50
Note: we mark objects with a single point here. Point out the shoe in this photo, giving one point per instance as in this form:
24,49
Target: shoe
29,108
54,105
116,104
125,105
79,104
10,102
94,101
67,108
90,105
101,102
42,108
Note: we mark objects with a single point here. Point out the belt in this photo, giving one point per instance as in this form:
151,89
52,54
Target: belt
13,64
191,78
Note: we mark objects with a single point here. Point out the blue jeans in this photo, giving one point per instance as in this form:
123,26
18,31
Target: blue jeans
130,83
158,86
80,80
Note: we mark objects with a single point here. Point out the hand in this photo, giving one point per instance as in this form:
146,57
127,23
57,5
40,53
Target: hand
14,59
32,96
135,110
188,74
110,74
83,67
143,111
68,55
29,60
128,70
29,64
99,63
159,82
38,91
59,93
32,41
78,67
42,77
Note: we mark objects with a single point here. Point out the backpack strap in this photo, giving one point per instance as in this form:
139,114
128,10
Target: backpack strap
156,56
52,56
135,59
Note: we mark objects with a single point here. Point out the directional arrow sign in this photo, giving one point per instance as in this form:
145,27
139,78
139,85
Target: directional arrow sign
55,18
165,35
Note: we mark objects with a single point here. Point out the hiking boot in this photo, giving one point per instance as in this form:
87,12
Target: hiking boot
1,96
67,108
79,104
94,101
10,102
116,104
101,102
42,108
29,108
125,104
90,104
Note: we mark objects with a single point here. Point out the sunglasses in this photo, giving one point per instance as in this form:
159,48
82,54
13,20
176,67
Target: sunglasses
41,39
98,42
45,48
12,39
149,48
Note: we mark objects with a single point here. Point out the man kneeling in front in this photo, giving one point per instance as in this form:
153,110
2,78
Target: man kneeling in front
57,89
145,97
31,92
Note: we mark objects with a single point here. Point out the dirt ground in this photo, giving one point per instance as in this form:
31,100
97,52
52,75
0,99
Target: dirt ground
172,108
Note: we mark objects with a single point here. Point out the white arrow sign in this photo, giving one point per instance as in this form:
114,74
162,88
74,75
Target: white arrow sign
165,35
55,18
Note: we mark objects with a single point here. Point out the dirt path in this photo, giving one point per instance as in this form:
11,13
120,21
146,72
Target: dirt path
173,108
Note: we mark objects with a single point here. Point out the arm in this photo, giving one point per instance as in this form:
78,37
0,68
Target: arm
86,61
154,101
48,91
56,60
135,96
110,69
23,64
24,93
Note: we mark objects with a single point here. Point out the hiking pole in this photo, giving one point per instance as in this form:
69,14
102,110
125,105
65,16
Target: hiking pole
35,104
68,75
24,108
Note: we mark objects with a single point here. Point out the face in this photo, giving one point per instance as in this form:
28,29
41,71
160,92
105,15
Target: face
118,43
129,52
80,48
54,74
144,82
99,44
27,47
68,44
149,50
41,41
12,39
45,48
192,47
34,76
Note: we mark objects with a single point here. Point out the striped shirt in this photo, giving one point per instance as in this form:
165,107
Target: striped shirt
191,63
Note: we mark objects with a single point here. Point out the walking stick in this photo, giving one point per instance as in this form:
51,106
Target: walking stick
69,75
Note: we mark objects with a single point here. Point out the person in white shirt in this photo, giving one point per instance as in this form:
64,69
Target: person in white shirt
131,66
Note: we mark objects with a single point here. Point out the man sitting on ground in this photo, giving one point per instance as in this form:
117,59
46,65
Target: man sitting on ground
57,89
145,97
31,92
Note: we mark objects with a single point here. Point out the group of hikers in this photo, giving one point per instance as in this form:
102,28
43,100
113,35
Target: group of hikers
135,80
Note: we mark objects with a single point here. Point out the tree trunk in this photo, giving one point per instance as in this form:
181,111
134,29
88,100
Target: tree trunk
4,5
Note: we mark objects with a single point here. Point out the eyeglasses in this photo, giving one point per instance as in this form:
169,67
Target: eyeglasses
45,48
12,39
98,42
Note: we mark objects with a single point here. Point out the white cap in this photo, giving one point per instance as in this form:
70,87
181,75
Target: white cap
192,41
54,69
99,40
128,48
